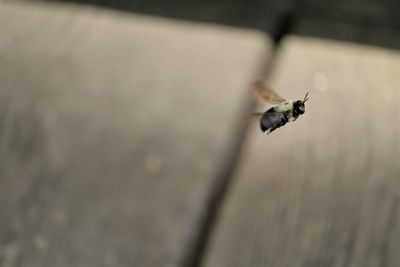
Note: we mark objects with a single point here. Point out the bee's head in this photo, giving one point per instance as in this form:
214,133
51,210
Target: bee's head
298,107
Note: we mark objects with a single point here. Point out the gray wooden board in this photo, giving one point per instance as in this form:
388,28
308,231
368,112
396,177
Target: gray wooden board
113,128
325,189
375,22
379,35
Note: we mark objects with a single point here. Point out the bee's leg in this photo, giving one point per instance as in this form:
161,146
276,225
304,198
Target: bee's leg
275,127
281,123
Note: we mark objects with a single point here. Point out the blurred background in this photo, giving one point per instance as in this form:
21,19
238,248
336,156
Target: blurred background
364,21
126,134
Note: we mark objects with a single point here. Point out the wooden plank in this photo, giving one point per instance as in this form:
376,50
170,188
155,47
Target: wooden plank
113,129
324,190
256,15
375,33
375,22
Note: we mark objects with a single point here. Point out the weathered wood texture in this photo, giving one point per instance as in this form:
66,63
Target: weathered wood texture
324,190
113,129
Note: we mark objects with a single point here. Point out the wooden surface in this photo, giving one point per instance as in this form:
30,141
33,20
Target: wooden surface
374,22
114,130
324,190
118,133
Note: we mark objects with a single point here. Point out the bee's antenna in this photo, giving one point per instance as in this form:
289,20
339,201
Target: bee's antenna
305,98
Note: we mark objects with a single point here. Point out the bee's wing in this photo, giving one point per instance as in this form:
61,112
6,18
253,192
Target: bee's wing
258,114
264,92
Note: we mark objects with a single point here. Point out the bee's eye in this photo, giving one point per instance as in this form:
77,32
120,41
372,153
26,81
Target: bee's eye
300,108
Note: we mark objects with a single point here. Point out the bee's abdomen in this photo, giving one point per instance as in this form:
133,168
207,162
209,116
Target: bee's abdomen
263,128
271,120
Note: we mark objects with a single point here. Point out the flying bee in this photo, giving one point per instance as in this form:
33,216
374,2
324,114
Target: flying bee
277,116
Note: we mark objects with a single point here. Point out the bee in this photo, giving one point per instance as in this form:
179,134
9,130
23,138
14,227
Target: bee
277,116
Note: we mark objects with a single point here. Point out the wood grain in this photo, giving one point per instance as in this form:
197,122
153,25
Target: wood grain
113,129
324,190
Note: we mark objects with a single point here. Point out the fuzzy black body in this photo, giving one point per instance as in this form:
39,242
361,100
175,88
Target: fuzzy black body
276,117
272,120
